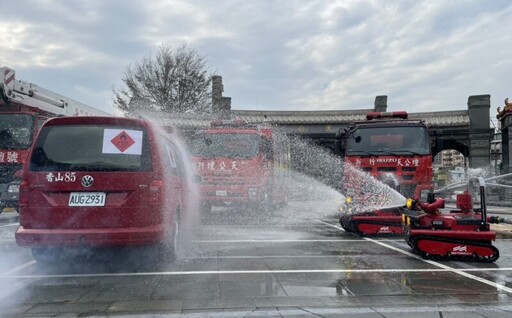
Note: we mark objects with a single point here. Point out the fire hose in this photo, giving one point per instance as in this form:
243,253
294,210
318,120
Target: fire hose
497,220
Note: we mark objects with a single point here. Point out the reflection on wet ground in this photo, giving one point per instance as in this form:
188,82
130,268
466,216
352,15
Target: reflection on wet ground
286,264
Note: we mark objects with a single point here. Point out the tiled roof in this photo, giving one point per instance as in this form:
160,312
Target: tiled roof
442,119
433,119
180,120
303,117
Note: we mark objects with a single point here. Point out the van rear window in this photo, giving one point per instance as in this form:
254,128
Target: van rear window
91,148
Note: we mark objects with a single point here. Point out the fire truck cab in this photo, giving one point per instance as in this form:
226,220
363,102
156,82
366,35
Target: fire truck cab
24,107
392,149
240,164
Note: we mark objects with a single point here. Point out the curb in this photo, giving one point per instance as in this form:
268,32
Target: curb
8,216
502,228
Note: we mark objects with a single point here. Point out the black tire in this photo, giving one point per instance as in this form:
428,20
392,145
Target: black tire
346,224
169,251
176,239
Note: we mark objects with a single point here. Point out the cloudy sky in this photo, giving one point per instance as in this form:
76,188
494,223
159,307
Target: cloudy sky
273,55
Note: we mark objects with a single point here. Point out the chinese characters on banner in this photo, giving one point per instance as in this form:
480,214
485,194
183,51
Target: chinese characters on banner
398,161
212,165
9,157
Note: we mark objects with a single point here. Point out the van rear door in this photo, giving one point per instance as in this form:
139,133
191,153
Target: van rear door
91,175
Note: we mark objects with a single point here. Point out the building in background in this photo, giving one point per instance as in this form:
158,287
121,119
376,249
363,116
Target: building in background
449,167
496,158
450,158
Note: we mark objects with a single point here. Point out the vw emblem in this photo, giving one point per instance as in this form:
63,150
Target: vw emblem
87,181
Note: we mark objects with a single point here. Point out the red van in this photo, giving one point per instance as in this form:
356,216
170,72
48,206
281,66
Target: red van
100,182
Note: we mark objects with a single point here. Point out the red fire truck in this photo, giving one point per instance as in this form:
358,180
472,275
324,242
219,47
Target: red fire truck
24,107
393,149
240,164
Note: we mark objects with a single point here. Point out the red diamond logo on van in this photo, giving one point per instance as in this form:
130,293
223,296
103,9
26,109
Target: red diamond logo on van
122,141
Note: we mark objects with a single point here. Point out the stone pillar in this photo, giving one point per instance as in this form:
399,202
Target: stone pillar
505,195
225,107
225,103
506,139
480,131
381,103
217,89
220,105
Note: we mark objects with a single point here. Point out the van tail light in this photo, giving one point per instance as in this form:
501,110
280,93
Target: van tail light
156,192
23,195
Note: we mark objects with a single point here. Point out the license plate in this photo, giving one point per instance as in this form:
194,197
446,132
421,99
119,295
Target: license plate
221,193
87,199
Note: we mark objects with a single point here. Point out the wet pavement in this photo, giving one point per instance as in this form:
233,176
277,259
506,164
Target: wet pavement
297,262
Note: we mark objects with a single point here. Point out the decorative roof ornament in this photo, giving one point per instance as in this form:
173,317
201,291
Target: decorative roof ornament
507,109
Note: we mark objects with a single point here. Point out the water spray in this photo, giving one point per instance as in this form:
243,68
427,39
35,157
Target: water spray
463,184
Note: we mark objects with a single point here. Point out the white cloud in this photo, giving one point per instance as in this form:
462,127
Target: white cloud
179,21
425,55
407,59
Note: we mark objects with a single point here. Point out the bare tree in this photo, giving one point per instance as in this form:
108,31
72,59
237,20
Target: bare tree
174,80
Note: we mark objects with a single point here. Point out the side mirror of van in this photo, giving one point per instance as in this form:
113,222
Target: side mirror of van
18,175
338,141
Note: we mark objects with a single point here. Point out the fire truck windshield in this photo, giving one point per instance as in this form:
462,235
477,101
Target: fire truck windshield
226,145
16,131
400,140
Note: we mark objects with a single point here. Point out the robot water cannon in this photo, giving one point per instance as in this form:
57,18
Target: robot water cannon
432,207
462,235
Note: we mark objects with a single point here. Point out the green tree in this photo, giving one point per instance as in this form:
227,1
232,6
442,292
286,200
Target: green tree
174,80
